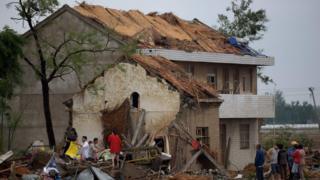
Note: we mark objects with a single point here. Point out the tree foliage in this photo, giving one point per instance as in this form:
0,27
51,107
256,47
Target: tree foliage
245,23
10,70
295,112
284,137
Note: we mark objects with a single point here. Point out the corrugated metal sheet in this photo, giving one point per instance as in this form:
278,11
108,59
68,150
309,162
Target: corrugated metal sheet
247,106
177,55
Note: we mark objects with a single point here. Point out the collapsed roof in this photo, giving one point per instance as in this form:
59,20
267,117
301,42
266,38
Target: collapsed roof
176,76
159,31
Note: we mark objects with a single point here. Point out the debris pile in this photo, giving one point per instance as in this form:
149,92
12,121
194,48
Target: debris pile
138,160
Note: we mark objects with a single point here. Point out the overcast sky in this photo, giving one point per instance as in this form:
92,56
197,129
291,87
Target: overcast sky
292,37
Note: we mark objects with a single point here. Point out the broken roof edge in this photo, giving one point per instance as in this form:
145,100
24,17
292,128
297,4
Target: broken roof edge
208,57
66,8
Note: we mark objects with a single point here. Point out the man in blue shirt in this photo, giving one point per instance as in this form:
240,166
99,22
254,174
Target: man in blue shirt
259,161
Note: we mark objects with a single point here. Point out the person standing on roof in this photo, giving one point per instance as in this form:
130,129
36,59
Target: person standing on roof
114,142
259,162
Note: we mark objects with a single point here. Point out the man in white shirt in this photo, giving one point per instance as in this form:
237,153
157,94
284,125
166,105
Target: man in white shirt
273,154
85,149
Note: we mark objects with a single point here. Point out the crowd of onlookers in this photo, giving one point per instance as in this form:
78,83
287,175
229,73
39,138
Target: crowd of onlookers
285,164
94,150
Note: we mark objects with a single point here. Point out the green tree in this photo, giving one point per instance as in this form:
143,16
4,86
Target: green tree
10,70
54,61
246,23
293,113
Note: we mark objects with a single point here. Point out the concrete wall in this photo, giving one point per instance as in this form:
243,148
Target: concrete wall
29,99
247,106
239,158
201,70
206,115
118,83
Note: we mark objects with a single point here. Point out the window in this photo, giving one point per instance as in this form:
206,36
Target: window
244,84
202,135
135,100
211,79
236,82
190,69
251,79
225,81
244,136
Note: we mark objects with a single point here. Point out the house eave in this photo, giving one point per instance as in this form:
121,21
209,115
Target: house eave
208,57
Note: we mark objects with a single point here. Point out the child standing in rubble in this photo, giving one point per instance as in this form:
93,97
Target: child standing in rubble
114,142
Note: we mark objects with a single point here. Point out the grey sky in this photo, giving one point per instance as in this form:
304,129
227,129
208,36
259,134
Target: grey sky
292,36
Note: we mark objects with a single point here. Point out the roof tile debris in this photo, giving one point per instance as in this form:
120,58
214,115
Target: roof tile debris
176,76
159,31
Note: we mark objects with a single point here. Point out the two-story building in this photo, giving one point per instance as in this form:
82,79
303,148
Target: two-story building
242,111
205,54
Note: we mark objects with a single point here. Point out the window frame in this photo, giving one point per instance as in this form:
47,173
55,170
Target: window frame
244,134
202,135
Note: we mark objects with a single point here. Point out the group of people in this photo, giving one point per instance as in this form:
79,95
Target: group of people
282,161
92,150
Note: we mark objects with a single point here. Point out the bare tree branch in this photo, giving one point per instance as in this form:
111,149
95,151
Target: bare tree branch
33,67
63,62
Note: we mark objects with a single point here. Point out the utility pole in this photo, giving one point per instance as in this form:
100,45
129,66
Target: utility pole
311,89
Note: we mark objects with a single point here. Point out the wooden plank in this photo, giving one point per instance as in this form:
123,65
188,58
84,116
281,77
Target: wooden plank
227,154
140,122
214,162
5,156
125,140
142,140
193,158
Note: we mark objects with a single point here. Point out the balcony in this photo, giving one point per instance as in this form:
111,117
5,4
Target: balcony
246,106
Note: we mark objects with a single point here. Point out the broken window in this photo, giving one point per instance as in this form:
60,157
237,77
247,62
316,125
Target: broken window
244,136
202,135
135,100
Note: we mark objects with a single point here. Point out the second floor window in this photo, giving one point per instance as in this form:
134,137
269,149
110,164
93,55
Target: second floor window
211,79
190,69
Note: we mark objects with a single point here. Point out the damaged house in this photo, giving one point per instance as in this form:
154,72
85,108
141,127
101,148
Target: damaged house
154,92
183,72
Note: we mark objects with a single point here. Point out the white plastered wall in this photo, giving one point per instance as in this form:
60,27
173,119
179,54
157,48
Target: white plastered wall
118,83
239,158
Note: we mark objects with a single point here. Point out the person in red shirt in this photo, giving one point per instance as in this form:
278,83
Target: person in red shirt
296,162
114,142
